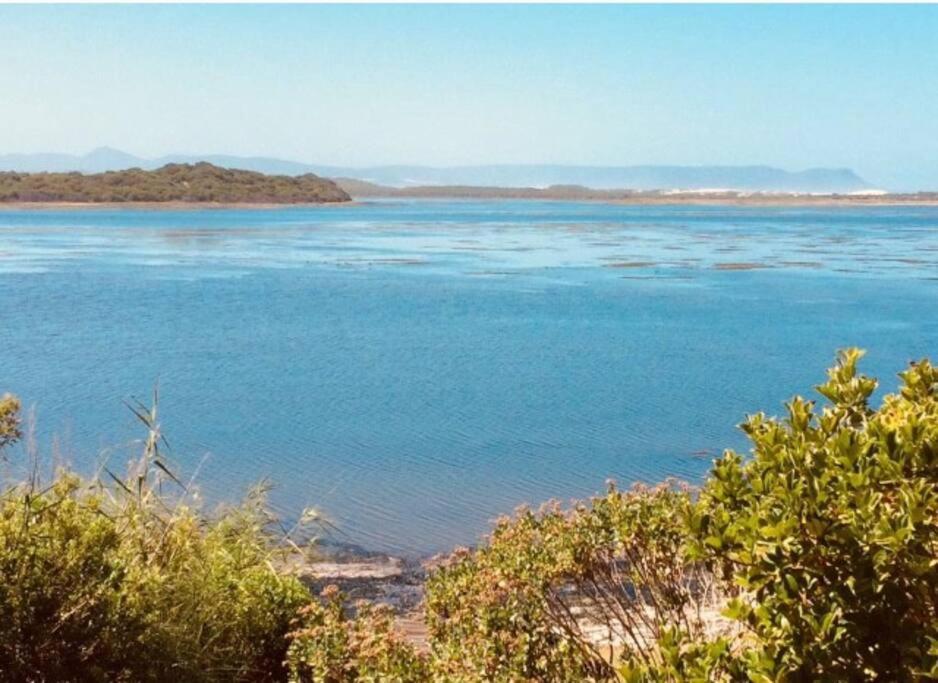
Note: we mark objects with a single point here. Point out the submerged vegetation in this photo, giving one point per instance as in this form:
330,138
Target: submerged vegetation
201,182
814,559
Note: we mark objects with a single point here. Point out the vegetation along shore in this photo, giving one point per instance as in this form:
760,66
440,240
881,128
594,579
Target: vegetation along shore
812,559
200,183
184,185
363,190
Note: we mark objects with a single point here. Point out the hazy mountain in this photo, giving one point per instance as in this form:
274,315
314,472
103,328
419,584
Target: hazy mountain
95,161
758,178
763,178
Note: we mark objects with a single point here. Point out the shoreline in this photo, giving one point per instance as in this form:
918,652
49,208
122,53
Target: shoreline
763,201
794,202
168,206
678,200
389,580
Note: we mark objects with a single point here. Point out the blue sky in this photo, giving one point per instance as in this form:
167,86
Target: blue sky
791,86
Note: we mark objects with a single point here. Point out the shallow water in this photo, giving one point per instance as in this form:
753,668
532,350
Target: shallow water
416,368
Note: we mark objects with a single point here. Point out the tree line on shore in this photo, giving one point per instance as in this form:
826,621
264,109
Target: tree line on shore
201,182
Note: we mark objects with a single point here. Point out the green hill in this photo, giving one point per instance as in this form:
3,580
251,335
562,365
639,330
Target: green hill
201,182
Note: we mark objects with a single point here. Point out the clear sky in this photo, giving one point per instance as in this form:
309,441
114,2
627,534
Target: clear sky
790,86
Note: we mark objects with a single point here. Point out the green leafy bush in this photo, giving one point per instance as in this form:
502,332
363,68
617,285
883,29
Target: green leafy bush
821,549
570,595
331,647
122,583
9,420
831,530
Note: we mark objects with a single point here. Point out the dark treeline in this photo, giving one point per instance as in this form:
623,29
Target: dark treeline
202,182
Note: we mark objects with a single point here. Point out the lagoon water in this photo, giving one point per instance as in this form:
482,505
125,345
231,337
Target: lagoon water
413,369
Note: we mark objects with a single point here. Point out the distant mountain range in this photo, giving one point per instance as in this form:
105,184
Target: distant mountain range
747,178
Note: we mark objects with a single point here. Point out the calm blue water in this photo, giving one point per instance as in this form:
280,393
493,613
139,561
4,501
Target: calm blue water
414,369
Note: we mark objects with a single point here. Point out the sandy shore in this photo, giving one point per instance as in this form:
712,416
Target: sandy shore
769,201
166,206
380,579
400,585
778,201
794,201
576,193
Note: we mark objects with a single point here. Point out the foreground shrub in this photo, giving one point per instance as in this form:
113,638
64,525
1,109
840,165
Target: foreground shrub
814,560
9,420
122,583
331,647
831,529
570,596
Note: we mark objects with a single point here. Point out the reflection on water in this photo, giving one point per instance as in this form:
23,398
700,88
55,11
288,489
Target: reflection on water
415,368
